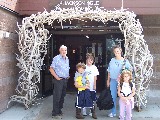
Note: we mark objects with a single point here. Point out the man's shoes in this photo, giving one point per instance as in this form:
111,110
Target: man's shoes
60,113
56,117
111,115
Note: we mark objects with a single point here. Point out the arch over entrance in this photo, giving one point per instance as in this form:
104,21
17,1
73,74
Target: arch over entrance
33,39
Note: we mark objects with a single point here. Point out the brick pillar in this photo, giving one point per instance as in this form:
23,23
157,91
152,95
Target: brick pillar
8,48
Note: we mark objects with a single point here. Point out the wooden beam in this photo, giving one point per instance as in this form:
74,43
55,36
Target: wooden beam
83,32
68,28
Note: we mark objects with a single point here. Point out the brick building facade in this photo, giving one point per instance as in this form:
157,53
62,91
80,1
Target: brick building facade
151,28
8,48
12,11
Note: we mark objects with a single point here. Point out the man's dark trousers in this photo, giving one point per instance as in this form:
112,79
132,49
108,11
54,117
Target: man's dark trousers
59,92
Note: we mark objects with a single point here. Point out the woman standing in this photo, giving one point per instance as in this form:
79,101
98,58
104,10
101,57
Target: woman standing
114,70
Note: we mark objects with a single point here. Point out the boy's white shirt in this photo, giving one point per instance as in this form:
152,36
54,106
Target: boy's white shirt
92,71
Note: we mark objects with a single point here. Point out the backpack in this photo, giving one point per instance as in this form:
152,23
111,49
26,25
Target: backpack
105,101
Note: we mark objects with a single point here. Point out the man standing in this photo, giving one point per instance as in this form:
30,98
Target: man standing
60,71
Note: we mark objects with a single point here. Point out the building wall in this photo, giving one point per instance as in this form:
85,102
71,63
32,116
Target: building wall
8,48
140,7
151,31
10,4
28,7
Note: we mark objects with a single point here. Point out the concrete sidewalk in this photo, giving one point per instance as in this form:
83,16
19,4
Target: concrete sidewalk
43,111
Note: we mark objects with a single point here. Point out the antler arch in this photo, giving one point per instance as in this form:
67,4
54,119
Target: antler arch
33,48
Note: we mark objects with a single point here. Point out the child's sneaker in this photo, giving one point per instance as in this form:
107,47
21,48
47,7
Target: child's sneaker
124,116
111,115
90,114
120,117
84,112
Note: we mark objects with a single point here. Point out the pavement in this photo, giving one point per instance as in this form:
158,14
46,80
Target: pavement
42,110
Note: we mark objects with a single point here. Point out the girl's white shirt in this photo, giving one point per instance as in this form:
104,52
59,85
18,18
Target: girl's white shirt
92,72
126,89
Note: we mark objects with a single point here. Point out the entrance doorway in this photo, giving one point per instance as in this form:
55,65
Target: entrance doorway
80,38
77,47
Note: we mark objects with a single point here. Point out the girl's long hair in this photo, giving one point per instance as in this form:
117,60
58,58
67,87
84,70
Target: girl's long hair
122,76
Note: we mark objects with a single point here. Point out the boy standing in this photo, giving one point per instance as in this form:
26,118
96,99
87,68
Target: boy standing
83,96
92,76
